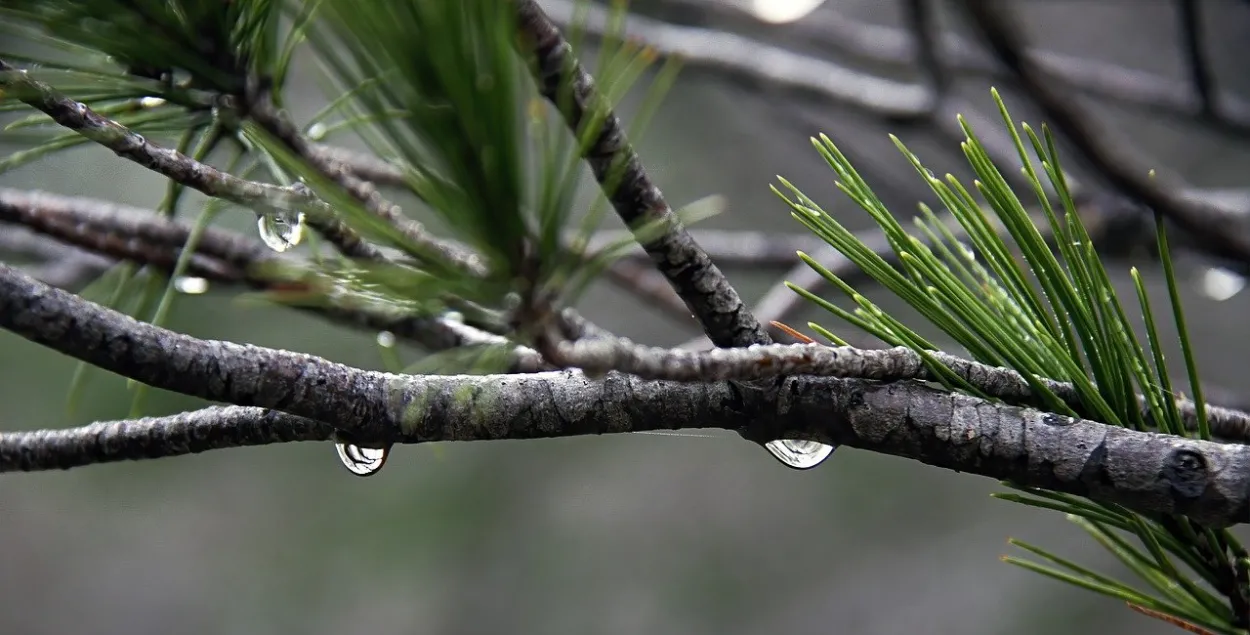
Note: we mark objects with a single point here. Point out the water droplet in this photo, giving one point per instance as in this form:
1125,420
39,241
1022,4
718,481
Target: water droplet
281,230
191,285
386,339
151,102
1220,284
800,455
317,131
362,461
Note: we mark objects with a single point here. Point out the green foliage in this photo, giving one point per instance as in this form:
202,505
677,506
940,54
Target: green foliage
439,88
216,44
1048,313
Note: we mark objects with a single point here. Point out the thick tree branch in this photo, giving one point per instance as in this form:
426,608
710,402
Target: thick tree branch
637,200
604,353
176,166
1151,473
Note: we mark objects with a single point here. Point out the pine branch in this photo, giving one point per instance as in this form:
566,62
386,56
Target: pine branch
176,166
1150,473
758,63
147,238
363,166
364,191
713,301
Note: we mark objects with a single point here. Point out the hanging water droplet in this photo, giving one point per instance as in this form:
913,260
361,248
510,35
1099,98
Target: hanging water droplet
386,339
1220,284
281,230
800,455
317,131
361,461
191,285
151,102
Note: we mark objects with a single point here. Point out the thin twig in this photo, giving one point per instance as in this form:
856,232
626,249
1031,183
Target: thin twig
636,199
364,191
174,165
147,238
154,437
363,165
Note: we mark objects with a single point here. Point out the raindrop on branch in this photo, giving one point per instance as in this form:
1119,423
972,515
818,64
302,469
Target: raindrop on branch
800,455
281,230
362,461
317,131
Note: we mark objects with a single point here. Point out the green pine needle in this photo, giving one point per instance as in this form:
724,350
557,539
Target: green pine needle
1029,292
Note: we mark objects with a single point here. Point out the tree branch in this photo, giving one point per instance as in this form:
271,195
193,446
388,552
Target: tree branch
178,167
364,191
1151,473
828,29
753,60
636,199
756,62
150,239
154,437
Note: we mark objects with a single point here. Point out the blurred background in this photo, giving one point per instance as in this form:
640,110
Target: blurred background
623,534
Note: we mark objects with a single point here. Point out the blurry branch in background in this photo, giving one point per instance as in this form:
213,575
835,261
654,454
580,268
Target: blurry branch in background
827,30
1118,165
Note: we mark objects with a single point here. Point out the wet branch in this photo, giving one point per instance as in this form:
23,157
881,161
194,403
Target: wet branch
603,354
212,428
146,238
637,200
366,192
1150,473
178,167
